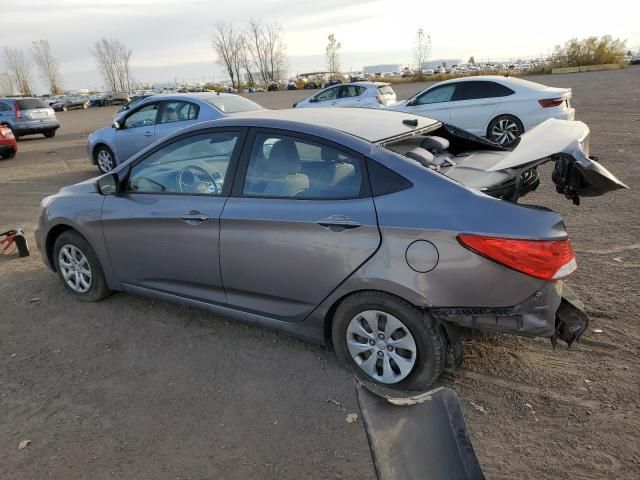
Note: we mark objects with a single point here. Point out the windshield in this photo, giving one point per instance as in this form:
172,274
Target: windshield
233,103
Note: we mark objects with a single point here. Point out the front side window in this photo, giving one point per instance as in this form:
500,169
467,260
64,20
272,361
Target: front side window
282,166
144,117
179,112
328,94
192,165
440,94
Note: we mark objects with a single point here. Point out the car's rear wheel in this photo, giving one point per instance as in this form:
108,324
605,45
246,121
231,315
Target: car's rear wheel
79,268
385,339
50,133
505,129
104,158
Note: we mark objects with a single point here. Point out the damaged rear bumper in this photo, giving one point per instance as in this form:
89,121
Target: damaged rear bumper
553,311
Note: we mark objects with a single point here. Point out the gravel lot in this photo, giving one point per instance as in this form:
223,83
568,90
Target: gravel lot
141,389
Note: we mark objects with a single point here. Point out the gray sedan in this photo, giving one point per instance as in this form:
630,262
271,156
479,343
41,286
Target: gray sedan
334,226
155,117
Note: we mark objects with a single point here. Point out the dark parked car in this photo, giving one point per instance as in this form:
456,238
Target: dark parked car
292,86
273,87
331,83
311,86
28,116
107,99
135,100
317,222
70,103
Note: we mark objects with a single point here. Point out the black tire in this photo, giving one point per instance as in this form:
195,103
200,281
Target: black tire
98,286
430,343
50,134
96,157
512,127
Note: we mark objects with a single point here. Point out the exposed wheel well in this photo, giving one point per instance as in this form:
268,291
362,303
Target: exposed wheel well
52,236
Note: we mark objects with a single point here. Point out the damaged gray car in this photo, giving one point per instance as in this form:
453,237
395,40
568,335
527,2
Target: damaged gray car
381,233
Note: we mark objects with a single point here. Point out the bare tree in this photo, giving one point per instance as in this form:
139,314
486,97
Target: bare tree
7,88
112,58
422,49
332,54
265,47
228,44
47,64
19,68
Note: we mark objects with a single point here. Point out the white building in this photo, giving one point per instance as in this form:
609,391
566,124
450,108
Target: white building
441,62
383,68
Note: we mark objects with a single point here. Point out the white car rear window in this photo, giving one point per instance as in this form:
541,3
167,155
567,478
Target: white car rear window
386,90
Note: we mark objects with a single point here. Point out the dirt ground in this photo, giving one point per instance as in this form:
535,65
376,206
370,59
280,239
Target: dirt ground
141,389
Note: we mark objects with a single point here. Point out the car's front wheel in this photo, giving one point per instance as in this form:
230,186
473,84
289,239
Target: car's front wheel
50,133
385,339
505,129
104,158
79,268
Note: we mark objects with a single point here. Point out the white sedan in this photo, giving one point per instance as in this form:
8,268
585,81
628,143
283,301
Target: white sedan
355,94
499,108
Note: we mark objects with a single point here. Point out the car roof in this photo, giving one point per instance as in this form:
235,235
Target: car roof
496,78
372,125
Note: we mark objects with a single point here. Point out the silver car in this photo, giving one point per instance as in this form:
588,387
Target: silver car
155,117
339,226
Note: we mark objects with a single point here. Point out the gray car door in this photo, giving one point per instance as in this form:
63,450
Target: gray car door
137,131
300,221
162,230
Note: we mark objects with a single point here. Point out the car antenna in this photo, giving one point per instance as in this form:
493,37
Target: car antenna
412,122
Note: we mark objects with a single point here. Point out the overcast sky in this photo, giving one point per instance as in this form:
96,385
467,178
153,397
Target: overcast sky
170,39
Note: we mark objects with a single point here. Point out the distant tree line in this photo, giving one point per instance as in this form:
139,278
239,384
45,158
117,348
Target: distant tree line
590,51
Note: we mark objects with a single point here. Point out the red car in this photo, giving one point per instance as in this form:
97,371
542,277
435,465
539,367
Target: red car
8,145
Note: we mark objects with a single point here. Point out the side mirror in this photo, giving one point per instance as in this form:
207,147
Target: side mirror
313,100
117,125
411,103
108,184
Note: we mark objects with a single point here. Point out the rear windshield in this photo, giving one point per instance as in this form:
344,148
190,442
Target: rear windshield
233,103
386,90
31,103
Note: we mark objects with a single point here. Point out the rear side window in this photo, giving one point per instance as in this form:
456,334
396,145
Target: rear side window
386,90
179,112
477,90
440,94
31,103
384,180
351,91
233,103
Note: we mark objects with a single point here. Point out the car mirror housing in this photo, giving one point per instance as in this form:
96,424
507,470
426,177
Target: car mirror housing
108,184
313,99
117,125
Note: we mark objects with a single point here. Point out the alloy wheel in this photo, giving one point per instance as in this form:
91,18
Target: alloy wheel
505,131
75,268
382,346
105,161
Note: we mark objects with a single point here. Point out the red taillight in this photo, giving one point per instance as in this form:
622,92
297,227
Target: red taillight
18,114
546,259
550,102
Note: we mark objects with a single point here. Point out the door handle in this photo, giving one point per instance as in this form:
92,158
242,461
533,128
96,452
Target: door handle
147,134
338,221
194,217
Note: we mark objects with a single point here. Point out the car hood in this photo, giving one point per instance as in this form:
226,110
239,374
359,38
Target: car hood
576,173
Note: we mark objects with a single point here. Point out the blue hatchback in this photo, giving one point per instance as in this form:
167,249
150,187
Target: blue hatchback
154,118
